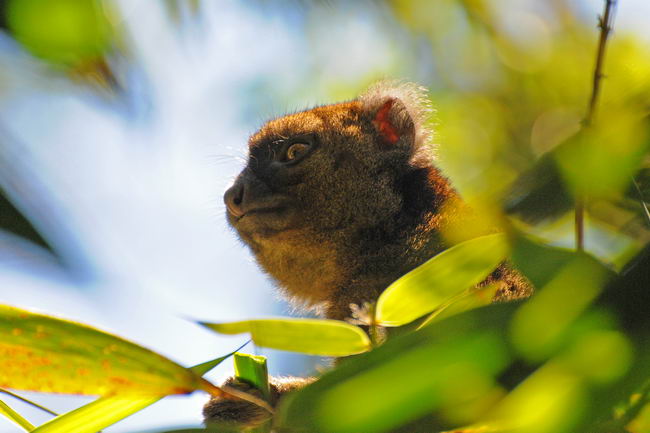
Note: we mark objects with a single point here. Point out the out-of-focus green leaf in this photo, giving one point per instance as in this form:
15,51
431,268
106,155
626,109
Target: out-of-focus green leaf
43,353
252,369
539,193
539,325
556,397
449,365
641,424
552,400
106,411
311,336
66,31
601,160
223,428
539,263
15,416
416,381
636,414
449,273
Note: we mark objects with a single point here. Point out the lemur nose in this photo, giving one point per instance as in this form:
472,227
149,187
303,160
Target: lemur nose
233,198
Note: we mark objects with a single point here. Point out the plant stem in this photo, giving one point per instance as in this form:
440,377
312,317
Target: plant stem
605,24
373,330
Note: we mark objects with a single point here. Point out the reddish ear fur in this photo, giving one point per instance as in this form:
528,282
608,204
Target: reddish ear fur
383,122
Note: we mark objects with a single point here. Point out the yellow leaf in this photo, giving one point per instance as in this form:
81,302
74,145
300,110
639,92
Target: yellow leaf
43,353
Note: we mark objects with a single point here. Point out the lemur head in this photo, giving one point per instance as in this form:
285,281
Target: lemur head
341,193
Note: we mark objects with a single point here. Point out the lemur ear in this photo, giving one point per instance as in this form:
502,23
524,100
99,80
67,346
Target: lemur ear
398,111
394,123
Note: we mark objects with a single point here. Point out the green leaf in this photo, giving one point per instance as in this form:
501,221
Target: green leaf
252,369
60,31
311,336
448,366
15,416
432,284
96,415
469,300
539,327
43,353
106,411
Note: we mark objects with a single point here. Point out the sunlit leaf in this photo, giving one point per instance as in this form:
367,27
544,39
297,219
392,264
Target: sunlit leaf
556,397
43,353
106,411
539,326
552,400
311,336
15,416
449,273
450,365
252,369
473,298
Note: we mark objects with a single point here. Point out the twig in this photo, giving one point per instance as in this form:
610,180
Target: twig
373,329
605,24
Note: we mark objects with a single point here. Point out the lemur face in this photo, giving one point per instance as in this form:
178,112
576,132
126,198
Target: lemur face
319,181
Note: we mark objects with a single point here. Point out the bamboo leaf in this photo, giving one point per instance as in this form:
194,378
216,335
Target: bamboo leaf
28,401
15,416
469,300
446,275
43,353
311,336
252,369
106,411
411,375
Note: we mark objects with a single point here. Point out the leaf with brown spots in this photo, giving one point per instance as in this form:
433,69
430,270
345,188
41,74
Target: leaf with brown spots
43,353
106,411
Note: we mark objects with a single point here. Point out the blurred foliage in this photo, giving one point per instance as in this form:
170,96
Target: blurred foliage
511,87
73,31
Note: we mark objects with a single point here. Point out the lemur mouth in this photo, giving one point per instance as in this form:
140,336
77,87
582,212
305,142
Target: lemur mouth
262,222
259,211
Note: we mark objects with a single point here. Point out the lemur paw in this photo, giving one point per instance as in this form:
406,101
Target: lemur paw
242,413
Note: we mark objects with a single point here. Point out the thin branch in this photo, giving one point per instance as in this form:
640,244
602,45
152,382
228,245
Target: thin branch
605,23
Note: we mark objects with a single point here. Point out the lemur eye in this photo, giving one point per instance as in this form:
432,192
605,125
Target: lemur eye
295,151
